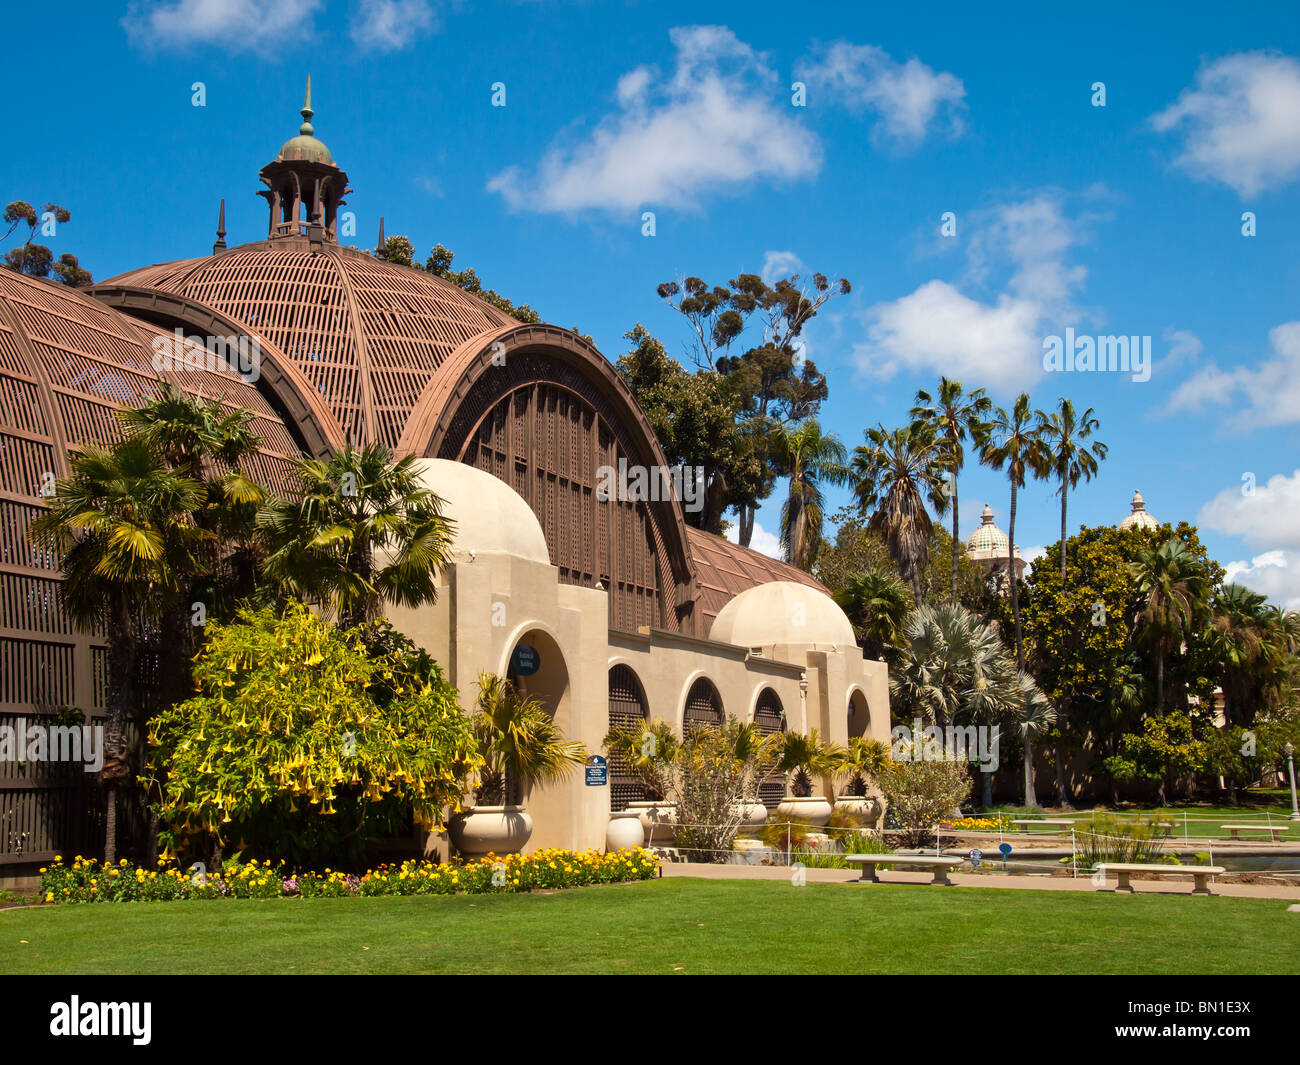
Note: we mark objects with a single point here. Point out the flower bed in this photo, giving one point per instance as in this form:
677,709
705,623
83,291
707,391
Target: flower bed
979,824
86,880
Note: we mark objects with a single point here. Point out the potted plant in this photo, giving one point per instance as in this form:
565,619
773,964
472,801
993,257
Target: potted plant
648,751
863,761
519,743
805,757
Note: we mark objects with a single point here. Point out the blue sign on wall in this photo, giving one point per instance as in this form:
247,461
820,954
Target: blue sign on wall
597,772
525,661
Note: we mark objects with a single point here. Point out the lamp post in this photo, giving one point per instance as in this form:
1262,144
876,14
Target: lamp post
1290,768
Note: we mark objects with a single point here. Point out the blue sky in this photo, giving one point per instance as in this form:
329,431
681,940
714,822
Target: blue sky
1117,220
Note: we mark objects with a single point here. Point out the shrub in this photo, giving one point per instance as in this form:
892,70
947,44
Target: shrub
923,793
1111,840
708,784
302,745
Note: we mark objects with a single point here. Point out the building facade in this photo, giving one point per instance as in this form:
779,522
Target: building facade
629,610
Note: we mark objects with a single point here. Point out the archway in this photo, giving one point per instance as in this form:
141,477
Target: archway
769,716
859,714
627,710
541,675
703,706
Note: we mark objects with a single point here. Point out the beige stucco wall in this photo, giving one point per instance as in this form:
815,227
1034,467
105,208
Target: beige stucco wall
490,604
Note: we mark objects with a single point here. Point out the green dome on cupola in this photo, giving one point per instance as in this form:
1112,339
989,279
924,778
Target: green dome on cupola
305,147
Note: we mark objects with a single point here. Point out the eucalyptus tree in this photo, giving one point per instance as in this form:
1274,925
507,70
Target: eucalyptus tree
899,471
954,418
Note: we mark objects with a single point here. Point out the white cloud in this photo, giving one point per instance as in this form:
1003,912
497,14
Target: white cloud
1241,121
762,541
1267,513
1269,574
237,25
390,25
1268,392
909,98
717,123
1184,346
779,264
939,328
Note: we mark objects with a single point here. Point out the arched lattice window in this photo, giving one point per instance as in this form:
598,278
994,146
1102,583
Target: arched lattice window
769,716
628,710
703,706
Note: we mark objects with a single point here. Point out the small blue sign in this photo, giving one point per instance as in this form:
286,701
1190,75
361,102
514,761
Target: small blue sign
975,856
1005,848
597,772
525,661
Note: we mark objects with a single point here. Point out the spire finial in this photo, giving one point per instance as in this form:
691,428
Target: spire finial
305,129
379,248
220,244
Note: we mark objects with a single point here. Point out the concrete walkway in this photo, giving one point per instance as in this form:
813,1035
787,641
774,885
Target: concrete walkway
1179,886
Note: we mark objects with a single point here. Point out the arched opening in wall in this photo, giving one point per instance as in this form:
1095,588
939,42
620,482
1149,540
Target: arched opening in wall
859,714
628,711
537,670
769,716
703,706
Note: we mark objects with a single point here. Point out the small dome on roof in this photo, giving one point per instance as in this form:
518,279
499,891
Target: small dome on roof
782,612
988,537
1138,517
305,148
491,517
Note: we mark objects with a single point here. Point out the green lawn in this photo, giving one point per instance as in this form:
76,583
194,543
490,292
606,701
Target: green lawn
668,926
1203,821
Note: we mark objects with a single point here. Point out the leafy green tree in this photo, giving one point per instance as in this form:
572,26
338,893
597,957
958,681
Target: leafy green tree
439,264
1173,589
287,753
809,458
362,531
899,471
953,417
36,260
1168,748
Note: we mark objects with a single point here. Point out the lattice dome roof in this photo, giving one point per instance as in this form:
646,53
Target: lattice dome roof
368,334
1138,518
988,537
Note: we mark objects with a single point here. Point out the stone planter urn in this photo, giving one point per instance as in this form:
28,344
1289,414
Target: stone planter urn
864,806
490,829
658,819
625,831
812,810
753,816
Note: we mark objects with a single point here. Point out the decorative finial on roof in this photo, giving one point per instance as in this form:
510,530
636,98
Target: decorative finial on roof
305,129
379,248
1138,502
986,518
220,244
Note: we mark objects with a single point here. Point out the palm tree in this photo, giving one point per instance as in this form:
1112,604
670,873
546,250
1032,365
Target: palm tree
864,759
519,741
1173,588
898,471
807,757
1065,435
953,417
124,525
810,459
1248,639
647,751
363,531
878,603
1012,442
1032,717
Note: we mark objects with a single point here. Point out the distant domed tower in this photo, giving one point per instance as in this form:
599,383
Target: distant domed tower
988,546
1139,518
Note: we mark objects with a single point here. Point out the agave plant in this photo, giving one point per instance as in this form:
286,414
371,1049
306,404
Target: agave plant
519,742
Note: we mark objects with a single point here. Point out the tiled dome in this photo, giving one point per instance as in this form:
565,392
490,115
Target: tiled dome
988,537
1138,518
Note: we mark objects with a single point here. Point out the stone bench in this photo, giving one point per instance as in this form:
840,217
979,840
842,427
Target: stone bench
1272,830
1123,873
1055,821
940,863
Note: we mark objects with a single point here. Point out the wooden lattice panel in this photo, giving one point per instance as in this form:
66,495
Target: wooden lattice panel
628,710
703,706
769,716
